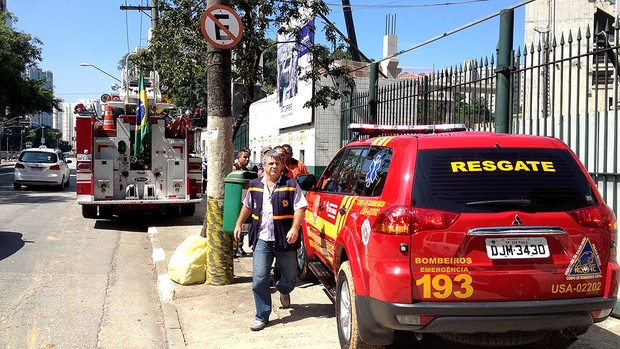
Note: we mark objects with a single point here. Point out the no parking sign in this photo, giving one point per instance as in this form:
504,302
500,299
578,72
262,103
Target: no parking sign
221,26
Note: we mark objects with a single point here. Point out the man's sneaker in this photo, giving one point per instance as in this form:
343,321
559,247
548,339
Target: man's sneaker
285,299
258,325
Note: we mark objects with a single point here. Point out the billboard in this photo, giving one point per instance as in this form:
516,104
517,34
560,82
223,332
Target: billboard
293,60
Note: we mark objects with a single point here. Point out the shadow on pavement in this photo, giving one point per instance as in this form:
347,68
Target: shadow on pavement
10,242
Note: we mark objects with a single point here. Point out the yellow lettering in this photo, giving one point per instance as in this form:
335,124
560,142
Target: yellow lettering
458,166
489,165
521,166
504,165
547,166
534,165
441,286
474,166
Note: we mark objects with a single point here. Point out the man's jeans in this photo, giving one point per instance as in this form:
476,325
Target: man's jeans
286,263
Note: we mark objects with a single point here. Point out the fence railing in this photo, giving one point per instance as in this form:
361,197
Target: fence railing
564,87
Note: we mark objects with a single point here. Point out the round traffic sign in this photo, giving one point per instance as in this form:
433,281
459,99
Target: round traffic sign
221,26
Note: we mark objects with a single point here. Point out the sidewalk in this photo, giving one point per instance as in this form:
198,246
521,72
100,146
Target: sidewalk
204,316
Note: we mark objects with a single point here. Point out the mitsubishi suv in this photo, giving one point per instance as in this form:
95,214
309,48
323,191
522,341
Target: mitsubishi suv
475,237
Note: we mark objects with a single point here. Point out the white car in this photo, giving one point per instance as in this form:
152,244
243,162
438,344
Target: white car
41,167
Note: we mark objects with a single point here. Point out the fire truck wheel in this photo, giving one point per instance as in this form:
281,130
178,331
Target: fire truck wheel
188,210
105,212
172,211
89,211
17,186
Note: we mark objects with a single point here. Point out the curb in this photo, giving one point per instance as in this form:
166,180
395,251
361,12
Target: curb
165,287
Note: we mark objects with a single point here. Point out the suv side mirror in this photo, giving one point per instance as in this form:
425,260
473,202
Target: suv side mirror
306,181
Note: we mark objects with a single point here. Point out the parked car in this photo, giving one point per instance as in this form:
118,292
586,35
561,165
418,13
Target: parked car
41,167
477,237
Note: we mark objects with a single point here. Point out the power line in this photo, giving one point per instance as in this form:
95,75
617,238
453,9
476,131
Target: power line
359,7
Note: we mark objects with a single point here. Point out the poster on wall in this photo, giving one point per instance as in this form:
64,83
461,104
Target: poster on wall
293,93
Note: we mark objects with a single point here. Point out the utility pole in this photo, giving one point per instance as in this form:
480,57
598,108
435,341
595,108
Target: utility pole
153,9
220,154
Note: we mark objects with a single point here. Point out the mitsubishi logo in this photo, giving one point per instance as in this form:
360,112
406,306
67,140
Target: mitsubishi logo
517,220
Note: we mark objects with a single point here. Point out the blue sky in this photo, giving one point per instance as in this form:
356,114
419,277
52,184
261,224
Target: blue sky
99,33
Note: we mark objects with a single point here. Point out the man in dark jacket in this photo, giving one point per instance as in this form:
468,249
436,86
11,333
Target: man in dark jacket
277,206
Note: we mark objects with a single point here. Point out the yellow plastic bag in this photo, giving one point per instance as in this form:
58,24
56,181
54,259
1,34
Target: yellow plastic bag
188,264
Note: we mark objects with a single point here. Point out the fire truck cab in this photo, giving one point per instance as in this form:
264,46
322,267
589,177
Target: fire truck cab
110,177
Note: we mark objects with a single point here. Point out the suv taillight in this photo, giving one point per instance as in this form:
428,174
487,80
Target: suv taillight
18,165
599,216
403,220
55,167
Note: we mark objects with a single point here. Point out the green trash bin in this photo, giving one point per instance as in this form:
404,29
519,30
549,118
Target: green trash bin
235,186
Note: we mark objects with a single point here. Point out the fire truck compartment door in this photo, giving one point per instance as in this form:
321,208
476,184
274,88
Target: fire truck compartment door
104,179
175,179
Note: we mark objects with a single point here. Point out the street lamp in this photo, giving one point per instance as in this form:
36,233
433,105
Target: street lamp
101,70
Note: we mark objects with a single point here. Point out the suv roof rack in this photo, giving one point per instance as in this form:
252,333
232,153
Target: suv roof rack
372,129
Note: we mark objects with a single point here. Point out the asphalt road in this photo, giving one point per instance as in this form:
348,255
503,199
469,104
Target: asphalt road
68,282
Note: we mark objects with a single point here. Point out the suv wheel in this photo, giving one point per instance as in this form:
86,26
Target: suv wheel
303,271
346,311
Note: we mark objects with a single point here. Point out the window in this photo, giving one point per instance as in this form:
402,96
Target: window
374,172
496,180
324,182
344,178
40,157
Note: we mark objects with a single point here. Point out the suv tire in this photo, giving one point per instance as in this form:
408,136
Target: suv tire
346,311
303,270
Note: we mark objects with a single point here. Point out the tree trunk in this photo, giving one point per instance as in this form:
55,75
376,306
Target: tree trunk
219,151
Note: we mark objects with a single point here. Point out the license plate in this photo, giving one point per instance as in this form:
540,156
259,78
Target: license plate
513,248
37,168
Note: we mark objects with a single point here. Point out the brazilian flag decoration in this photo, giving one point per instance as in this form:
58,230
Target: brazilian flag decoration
143,121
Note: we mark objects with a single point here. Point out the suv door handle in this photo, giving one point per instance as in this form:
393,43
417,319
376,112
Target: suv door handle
342,210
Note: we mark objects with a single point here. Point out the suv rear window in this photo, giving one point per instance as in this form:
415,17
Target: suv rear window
494,180
40,157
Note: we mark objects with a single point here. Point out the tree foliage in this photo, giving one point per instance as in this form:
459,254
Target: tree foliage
180,51
471,111
18,94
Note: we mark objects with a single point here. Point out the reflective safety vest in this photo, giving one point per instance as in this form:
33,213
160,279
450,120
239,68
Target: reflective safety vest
282,201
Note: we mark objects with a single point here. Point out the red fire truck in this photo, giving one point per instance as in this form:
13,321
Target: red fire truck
111,178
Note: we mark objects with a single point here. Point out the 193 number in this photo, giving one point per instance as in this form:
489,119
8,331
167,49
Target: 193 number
441,286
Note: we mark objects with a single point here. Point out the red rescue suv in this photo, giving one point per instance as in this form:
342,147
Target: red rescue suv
476,237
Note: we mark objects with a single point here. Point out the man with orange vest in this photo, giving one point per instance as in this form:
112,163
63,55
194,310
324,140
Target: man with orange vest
277,206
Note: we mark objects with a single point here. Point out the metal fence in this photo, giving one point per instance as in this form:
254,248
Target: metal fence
564,87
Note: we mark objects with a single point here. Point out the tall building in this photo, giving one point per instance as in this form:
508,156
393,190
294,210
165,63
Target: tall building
35,73
8,22
548,22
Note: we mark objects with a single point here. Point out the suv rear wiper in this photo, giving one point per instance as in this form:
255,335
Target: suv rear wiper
502,203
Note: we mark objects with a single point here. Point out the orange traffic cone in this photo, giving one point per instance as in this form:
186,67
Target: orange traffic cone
108,119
